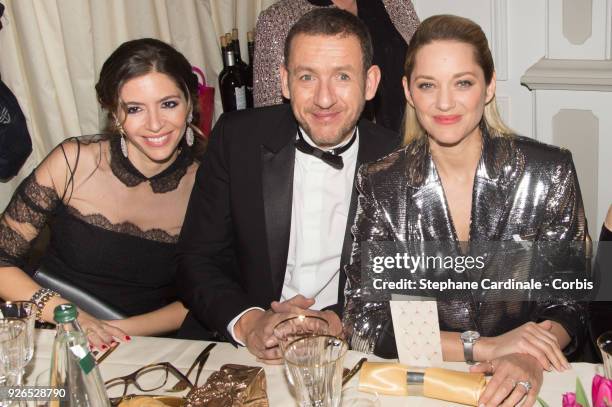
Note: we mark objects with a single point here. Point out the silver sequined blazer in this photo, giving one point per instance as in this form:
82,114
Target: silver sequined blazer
522,188
273,25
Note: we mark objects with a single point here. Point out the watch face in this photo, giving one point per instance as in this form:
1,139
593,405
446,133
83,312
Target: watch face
470,336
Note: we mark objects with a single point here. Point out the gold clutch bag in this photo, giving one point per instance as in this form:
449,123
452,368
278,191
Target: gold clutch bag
232,386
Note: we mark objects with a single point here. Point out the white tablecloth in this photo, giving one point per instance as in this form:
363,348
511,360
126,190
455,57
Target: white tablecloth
181,353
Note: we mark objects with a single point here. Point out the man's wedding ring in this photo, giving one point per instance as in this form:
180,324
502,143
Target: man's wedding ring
526,384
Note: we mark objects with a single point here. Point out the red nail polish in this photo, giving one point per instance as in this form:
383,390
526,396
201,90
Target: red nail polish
104,347
128,338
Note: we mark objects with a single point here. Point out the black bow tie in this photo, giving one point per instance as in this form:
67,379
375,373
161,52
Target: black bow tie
331,157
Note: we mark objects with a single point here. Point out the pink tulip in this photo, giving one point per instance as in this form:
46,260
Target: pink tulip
569,400
601,391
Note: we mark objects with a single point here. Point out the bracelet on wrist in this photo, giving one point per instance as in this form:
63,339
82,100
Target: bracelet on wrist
40,298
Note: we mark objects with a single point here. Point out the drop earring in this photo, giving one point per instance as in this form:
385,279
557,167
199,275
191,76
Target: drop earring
124,149
189,138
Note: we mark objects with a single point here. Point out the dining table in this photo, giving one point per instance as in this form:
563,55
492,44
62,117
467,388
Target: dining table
140,351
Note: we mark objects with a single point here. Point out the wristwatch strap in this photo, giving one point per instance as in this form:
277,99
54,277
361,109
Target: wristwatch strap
468,351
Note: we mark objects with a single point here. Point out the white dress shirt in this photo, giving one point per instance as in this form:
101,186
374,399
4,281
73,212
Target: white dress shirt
319,212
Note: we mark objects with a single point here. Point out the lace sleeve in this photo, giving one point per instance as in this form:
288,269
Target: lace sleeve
34,201
23,219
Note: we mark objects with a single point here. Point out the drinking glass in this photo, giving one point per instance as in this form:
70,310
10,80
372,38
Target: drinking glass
297,327
315,366
42,379
604,342
26,311
12,351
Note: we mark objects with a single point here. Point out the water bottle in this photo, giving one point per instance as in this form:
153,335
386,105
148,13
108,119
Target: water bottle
73,367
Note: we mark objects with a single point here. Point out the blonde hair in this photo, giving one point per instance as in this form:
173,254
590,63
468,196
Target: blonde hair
452,28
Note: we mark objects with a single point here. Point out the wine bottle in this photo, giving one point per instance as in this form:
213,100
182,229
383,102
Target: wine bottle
251,46
228,41
236,45
223,43
247,73
232,84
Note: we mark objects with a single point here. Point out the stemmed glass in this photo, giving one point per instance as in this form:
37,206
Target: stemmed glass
12,352
315,367
297,327
25,311
604,342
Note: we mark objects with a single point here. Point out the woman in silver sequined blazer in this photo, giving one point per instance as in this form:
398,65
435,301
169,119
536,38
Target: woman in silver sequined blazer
391,24
463,176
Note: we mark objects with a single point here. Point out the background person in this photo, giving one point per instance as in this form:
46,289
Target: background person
117,201
464,177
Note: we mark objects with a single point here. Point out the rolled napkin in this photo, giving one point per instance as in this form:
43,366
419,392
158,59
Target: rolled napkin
400,380
231,386
142,401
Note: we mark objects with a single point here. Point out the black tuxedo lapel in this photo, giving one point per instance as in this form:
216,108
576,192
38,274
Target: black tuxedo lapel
278,160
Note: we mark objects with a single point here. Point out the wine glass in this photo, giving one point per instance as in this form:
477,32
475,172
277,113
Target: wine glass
298,327
25,311
12,352
315,367
604,342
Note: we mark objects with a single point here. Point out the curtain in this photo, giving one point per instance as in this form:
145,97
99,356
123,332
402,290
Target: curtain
51,52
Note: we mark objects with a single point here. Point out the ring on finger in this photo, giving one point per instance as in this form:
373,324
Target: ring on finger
526,384
88,331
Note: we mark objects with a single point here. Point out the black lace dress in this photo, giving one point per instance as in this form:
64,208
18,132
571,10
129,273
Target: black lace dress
114,230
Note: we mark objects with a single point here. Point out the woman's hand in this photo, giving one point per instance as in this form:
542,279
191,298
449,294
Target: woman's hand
100,333
535,339
515,377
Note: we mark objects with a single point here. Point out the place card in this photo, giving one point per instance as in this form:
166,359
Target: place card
417,331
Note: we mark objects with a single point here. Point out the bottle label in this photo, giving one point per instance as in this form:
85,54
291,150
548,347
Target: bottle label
86,359
240,94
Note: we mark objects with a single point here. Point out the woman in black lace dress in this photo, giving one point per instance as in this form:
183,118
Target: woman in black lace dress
118,200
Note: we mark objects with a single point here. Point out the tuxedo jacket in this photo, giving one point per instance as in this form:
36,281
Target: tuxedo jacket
232,251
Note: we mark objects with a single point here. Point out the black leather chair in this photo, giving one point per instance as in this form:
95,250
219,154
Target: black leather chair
83,299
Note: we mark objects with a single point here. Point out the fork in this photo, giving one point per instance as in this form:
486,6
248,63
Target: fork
199,361
348,374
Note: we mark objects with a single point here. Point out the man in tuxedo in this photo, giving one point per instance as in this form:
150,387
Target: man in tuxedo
269,218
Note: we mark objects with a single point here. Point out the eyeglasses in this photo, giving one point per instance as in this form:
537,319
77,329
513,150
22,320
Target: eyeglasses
147,378
155,376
